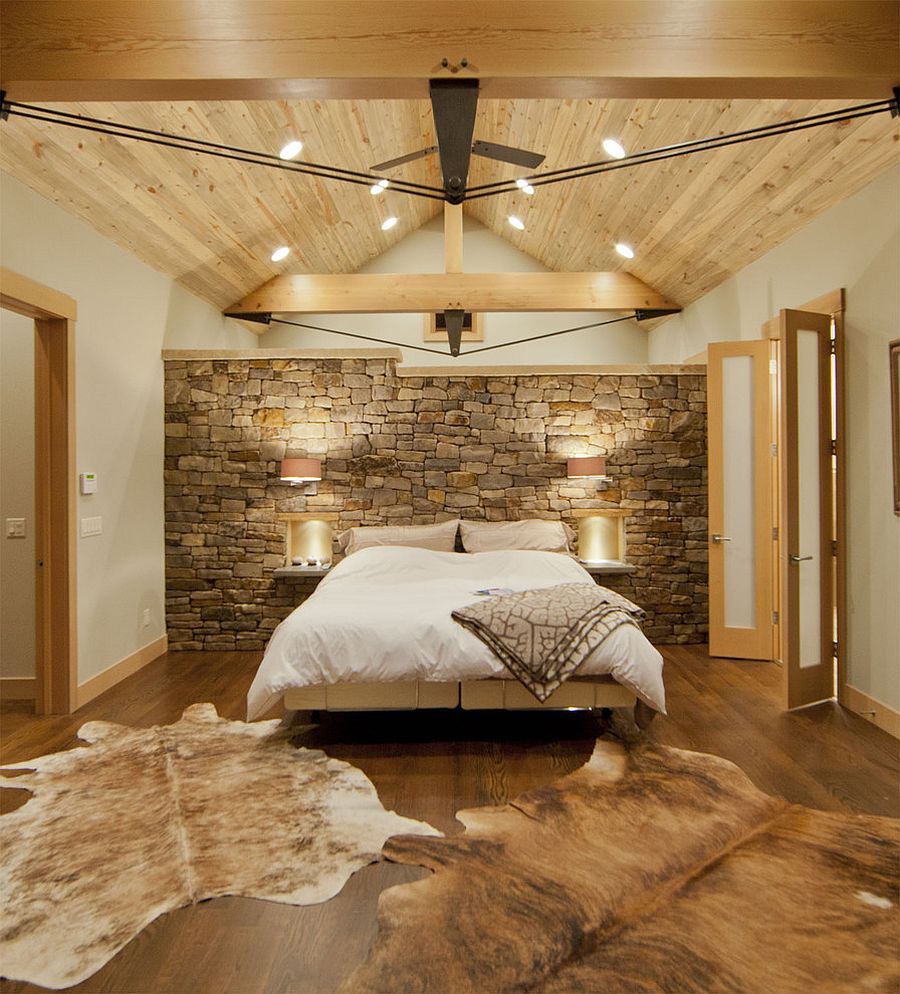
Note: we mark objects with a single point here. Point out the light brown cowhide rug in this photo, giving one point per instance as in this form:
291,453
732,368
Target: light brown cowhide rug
654,870
144,821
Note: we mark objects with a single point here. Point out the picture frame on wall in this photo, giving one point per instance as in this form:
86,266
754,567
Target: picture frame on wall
895,419
436,328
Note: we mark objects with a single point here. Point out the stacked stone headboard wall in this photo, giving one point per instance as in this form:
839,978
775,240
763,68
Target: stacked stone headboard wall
417,447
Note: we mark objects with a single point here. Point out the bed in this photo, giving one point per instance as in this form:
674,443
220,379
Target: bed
378,634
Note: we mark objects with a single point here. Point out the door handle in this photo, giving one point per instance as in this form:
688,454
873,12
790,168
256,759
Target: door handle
800,559
719,538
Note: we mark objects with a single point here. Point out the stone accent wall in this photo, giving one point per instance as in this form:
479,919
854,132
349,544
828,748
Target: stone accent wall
418,449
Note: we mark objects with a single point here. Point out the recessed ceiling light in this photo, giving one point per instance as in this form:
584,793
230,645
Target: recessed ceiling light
291,150
379,187
625,250
516,222
388,223
280,253
613,148
525,186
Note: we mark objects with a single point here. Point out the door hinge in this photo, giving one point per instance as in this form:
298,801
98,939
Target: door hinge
773,367
774,448
774,617
834,548
834,446
834,649
774,534
832,346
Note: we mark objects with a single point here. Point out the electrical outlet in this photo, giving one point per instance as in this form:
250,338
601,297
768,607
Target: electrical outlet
15,528
145,618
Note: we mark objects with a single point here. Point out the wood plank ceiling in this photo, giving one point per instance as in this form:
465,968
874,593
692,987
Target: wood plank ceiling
212,224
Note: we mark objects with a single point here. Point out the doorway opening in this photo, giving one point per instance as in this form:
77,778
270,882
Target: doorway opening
54,316
777,499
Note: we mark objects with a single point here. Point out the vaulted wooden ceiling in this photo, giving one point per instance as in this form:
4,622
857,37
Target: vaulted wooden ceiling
212,224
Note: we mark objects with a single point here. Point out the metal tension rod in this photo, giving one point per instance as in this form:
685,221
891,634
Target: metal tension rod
201,146
268,319
688,148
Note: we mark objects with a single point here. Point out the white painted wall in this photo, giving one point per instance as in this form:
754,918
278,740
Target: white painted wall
855,245
16,494
127,313
422,251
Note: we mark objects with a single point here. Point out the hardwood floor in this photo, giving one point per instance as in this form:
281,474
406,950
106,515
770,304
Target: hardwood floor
428,766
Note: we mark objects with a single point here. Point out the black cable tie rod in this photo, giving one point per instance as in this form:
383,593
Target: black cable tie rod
655,156
267,318
822,119
247,156
285,165
551,334
348,334
208,144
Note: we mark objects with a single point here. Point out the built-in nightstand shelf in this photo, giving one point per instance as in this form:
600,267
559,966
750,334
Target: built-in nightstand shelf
604,569
601,538
300,572
307,535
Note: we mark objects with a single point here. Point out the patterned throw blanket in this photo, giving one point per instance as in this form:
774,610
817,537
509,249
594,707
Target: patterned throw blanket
543,636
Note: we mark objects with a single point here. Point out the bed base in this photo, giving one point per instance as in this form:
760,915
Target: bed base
471,695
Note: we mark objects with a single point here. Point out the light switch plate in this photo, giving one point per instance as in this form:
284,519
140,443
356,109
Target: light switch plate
15,528
91,527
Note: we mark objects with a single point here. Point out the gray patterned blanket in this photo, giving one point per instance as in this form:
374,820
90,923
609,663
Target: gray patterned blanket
543,636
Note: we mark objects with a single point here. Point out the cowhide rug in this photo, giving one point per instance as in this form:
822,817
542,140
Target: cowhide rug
654,870
144,821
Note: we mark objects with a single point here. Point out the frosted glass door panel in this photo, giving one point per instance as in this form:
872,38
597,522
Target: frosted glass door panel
740,500
738,477
809,485
808,501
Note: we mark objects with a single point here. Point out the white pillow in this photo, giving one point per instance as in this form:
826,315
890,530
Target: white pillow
440,537
536,533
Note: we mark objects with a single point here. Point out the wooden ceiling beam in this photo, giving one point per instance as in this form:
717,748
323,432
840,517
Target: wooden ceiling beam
57,50
390,293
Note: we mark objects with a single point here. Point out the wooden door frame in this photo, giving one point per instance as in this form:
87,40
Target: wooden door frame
54,315
832,303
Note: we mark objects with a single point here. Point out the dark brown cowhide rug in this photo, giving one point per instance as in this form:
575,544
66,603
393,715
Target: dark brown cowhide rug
654,870
144,821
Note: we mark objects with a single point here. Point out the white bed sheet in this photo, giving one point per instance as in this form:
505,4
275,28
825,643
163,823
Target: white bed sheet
383,614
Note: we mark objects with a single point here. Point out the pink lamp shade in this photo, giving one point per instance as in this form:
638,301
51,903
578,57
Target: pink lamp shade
301,470
585,466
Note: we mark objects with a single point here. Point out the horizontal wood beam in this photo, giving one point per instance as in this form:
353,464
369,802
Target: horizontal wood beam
279,49
391,293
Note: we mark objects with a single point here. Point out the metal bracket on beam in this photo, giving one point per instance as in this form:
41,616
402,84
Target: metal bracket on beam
453,104
260,317
895,103
648,315
4,106
454,321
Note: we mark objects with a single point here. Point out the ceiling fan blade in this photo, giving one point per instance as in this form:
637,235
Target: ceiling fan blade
403,159
517,156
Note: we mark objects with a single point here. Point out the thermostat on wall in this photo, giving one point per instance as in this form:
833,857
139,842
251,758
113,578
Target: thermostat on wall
88,483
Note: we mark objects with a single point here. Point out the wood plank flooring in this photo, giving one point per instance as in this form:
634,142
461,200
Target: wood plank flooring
428,766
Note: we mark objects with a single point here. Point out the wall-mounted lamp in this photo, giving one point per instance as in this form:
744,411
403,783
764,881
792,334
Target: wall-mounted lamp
298,472
588,467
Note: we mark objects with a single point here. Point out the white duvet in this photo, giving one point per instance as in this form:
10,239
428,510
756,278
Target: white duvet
383,614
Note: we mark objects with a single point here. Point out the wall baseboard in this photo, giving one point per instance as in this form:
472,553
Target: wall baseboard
17,688
114,674
886,718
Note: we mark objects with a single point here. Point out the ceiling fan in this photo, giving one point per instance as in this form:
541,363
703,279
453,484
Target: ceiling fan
453,103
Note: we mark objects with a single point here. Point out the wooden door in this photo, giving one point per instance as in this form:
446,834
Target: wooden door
808,524
741,570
